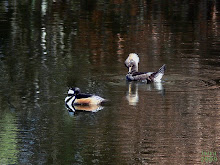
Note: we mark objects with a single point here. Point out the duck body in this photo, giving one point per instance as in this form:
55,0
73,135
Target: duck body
76,98
88,99
133,75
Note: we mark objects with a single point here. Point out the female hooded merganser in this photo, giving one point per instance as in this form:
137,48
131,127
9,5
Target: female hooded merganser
76,98
133,75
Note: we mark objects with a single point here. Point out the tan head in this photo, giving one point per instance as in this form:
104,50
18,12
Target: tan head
132,62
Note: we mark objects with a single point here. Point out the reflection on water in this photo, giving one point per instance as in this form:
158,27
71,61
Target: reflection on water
132,94
8,139
88,108
48,46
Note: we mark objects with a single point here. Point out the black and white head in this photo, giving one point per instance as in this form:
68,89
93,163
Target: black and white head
73,91
132,62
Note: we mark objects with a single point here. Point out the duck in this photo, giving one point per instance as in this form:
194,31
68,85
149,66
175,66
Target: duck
75,98
134,75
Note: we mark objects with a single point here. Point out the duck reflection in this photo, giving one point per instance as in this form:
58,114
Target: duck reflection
84,108
133,95
88,108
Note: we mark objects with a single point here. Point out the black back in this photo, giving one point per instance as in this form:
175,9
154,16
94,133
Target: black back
83,95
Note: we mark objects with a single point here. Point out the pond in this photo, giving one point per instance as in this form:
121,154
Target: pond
46,47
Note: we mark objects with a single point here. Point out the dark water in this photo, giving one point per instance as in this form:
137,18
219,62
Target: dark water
48,46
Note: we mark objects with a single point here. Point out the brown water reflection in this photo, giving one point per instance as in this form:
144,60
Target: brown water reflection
48,46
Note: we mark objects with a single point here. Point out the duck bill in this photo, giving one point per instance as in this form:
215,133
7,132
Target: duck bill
129,69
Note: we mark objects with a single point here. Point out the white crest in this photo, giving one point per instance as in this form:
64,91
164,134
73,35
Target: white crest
71,92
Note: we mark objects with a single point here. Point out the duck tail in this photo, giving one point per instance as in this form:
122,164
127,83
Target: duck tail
156,76
162,69
97,100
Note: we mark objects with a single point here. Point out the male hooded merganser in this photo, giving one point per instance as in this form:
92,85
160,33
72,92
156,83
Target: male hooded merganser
76,98
133,75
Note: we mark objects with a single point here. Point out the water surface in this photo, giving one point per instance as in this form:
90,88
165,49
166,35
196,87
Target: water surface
47,47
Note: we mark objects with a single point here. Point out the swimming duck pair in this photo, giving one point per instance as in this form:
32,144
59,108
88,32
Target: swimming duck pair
76,98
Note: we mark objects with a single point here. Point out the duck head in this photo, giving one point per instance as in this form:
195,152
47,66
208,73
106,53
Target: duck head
73,91
132,62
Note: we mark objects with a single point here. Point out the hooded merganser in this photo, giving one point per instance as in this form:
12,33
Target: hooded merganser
76,98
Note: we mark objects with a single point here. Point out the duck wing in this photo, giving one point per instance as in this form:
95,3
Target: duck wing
138,76
88,99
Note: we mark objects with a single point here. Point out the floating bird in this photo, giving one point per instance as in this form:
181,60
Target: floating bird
133,75
77,99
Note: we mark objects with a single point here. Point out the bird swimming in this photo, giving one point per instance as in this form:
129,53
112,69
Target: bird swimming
76,98
133,75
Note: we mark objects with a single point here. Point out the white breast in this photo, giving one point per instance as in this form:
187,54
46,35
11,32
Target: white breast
69,102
